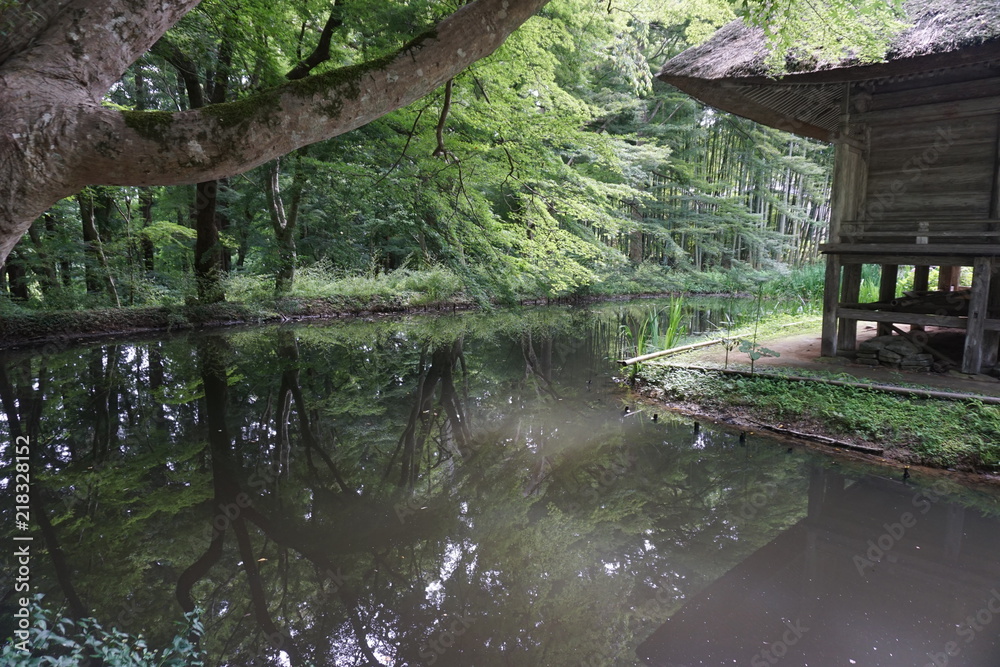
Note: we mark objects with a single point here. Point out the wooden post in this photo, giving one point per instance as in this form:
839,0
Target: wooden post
831,299
948,277
972,360
850,292
991,339
850,173
921,281
887,292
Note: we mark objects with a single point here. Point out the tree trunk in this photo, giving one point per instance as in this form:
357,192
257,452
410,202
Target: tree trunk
209,267
17,277
65,271
94,250
44,267
284,224
146,248
207,248
146,244
90,241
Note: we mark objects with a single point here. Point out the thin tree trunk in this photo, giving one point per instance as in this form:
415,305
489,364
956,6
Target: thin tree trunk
94,249
17,277
209,263
284,224
146,244
45,268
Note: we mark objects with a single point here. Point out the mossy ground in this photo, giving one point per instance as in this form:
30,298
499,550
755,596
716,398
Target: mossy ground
933,432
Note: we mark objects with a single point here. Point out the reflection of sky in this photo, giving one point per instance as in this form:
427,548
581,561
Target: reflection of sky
701,440
449,563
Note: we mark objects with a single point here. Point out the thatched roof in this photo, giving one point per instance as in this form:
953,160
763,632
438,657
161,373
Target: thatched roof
940,27
729,71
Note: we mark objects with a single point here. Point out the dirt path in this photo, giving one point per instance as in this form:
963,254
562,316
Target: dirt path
801,352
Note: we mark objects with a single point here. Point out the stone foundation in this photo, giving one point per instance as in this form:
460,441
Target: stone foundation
895,352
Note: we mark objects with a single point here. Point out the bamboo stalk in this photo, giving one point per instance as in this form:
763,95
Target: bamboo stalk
664,353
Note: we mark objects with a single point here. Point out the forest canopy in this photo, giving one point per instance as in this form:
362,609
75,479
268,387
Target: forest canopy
548,164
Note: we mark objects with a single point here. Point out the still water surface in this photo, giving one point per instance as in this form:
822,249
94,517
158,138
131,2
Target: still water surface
471,490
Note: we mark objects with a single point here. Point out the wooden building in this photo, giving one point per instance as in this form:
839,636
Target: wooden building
917,171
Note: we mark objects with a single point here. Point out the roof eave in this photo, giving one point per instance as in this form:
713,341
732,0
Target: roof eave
723,94
727,93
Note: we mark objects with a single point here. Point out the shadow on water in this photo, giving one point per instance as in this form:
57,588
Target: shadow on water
469,490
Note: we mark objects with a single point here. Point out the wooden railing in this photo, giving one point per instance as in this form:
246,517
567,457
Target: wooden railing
955,237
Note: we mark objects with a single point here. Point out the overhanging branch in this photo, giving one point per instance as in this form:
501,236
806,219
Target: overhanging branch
322,51
164,148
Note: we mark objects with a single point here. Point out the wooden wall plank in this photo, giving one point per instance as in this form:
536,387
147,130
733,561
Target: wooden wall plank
911,248
923,135
913,204
961,179
932,112
946,92
931,169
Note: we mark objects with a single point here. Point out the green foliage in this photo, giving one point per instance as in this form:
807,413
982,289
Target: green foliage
404,287
562,168
869,291
818,31
164,232
805,282
56,640
756,351
675,314
652,333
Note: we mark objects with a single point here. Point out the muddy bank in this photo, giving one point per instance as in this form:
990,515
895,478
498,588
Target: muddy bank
62,328
67,327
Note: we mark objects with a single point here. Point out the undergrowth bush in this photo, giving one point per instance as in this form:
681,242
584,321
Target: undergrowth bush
55,640
321,281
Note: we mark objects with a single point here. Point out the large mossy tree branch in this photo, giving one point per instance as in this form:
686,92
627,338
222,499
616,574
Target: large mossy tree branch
85,46
56,138
167,148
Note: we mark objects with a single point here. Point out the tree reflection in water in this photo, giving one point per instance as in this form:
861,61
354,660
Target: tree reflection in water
451,491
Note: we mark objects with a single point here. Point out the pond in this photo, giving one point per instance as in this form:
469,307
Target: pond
470,490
